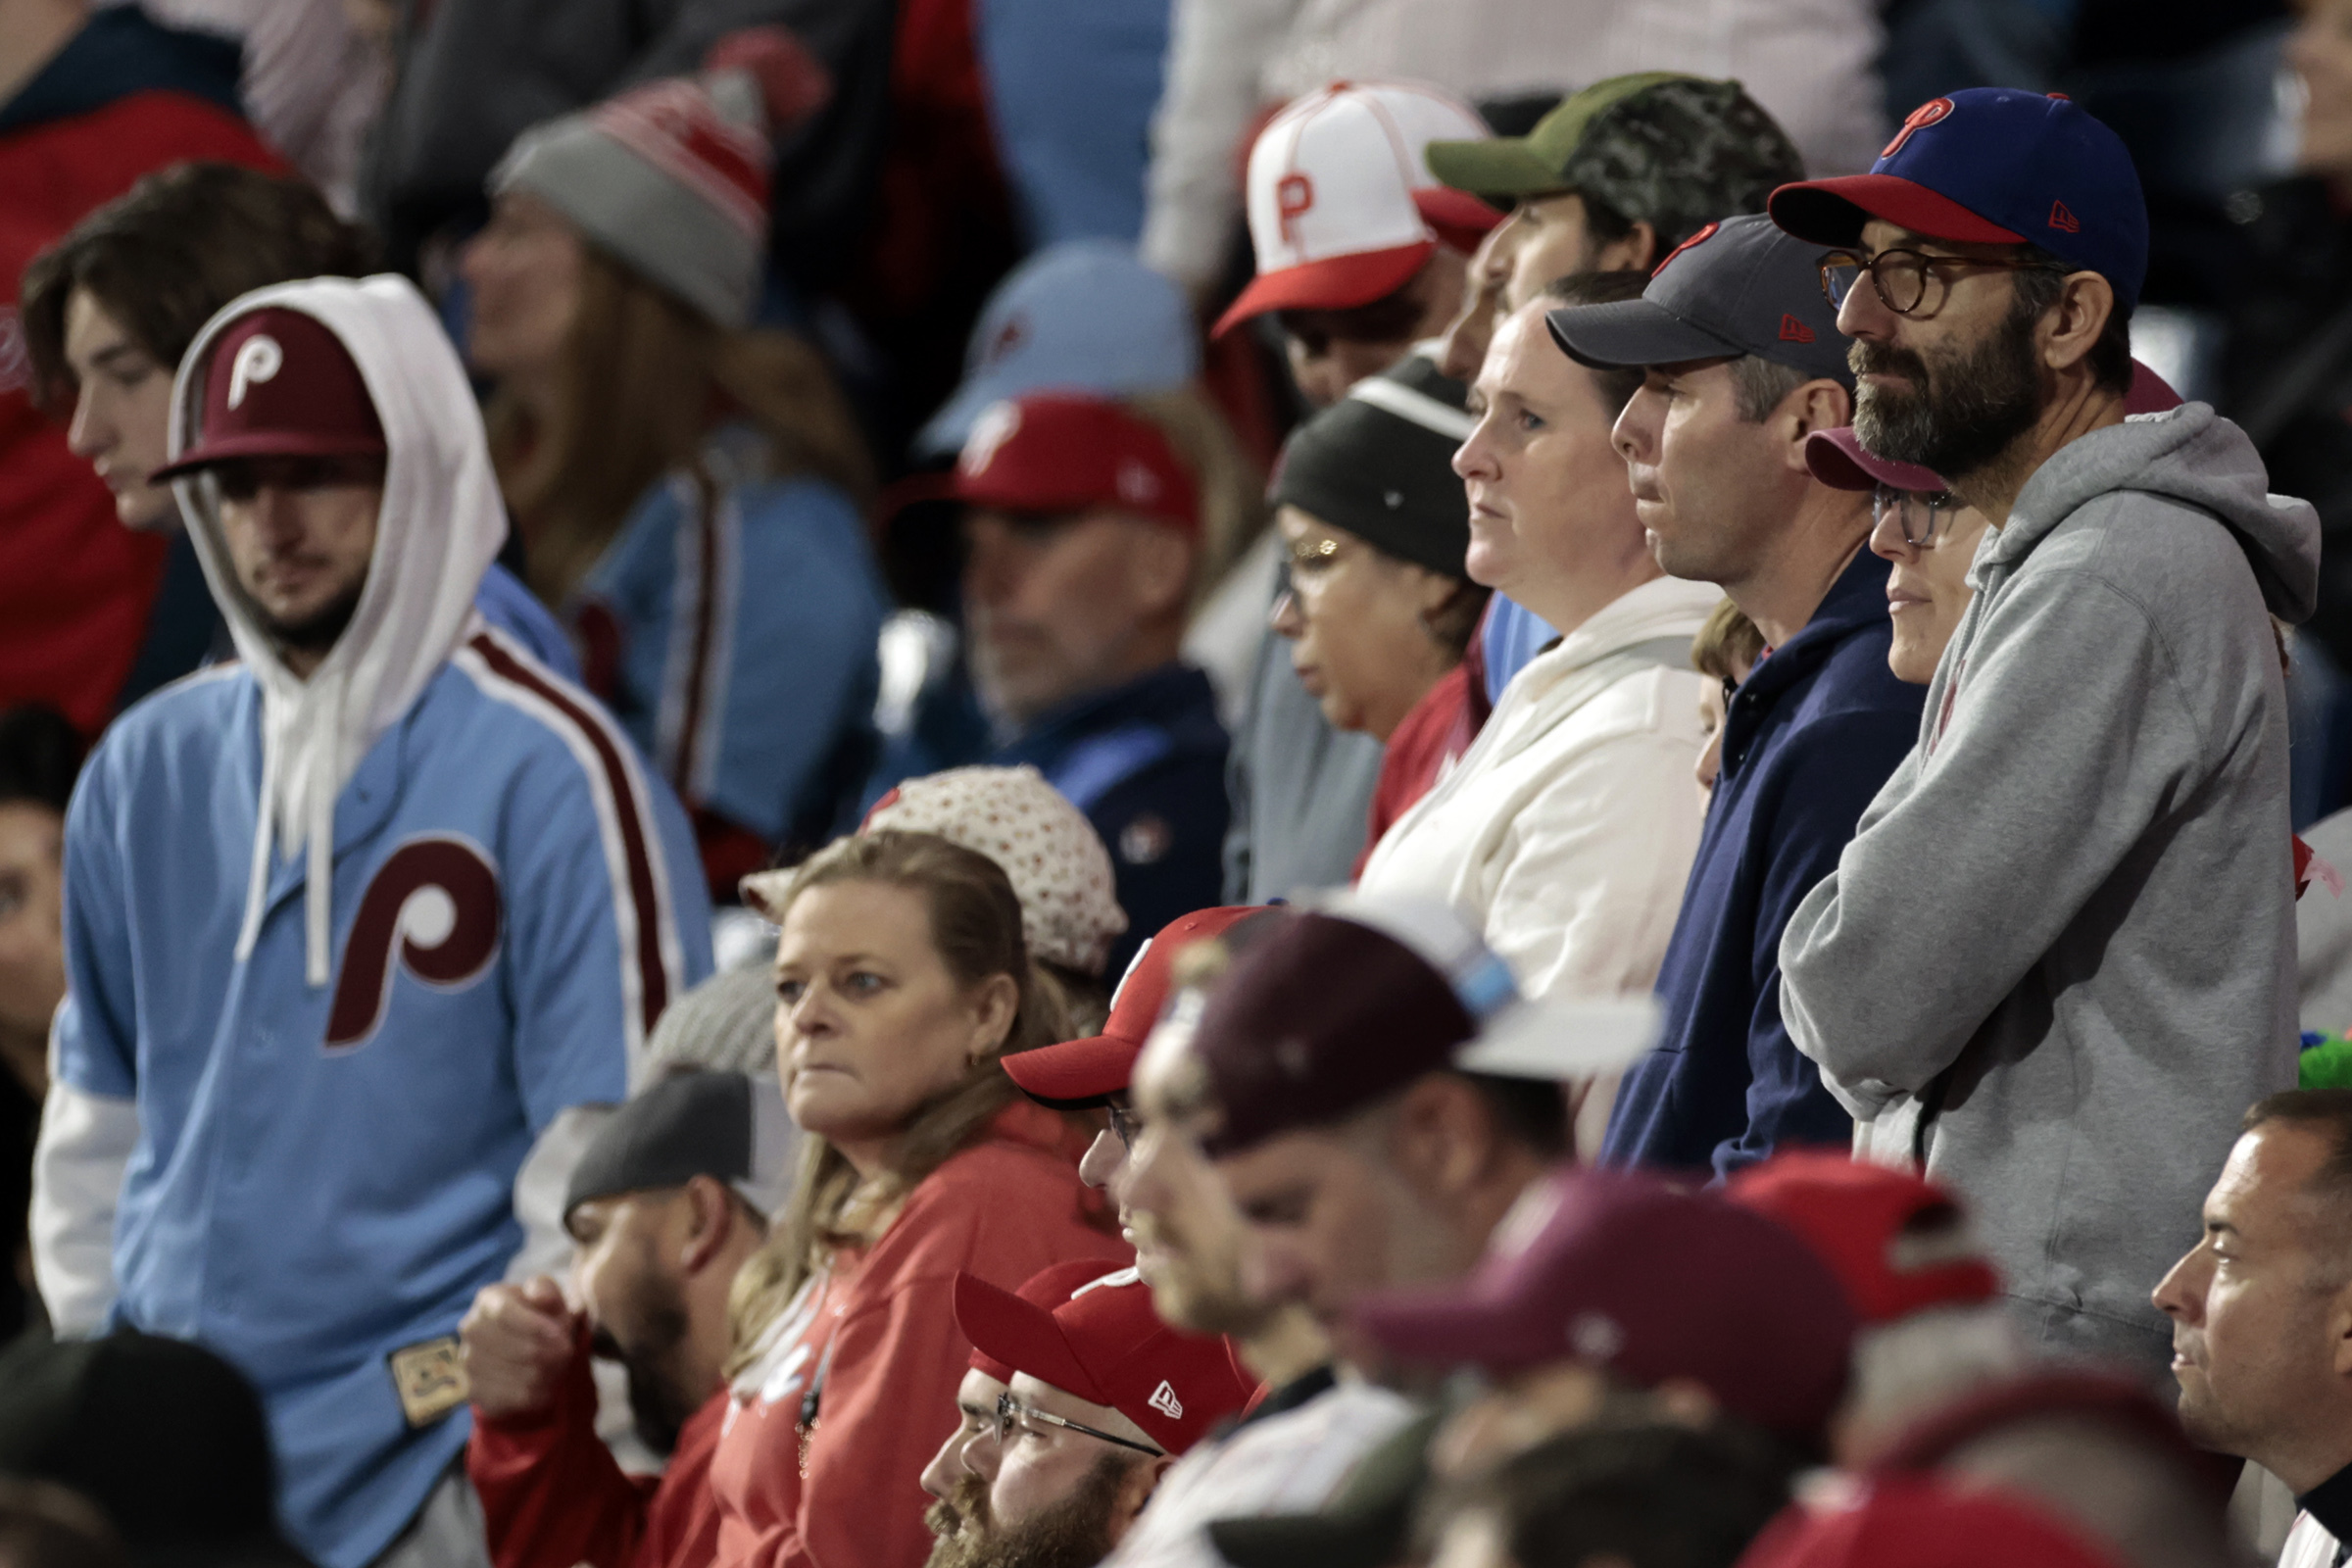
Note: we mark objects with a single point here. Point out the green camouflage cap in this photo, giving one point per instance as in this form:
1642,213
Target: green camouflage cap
1673,151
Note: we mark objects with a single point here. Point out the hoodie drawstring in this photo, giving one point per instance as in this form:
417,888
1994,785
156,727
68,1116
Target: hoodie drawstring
257,883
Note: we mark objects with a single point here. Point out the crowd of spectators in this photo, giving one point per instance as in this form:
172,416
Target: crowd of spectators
1174,783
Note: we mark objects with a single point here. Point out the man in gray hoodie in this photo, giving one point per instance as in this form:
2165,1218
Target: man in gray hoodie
2058,955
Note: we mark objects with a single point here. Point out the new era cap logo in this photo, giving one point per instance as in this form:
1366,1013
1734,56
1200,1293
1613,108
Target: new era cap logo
258,358
1926,115
1164,1399
2063,220
1793,330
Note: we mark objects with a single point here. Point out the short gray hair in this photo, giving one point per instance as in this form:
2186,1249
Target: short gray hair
1762,385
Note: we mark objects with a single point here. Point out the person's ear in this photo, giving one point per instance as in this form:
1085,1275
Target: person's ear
1438,1136
1820,403
1160,564
2071,329
2339,1331
1635,251
1433,591
994,1003
1140,1482
709,1218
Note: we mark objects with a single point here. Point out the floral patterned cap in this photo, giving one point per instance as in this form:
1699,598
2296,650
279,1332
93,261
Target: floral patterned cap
1049,851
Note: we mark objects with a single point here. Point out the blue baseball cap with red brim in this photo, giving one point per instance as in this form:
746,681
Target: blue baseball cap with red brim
1993,166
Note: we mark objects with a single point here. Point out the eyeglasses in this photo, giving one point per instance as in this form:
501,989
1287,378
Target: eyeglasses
1123,1126
1902,276
1915,512
1010,1412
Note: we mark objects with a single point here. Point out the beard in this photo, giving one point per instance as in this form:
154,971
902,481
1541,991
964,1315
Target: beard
319,630
1959,415
658,1405
1074,1533
960,1524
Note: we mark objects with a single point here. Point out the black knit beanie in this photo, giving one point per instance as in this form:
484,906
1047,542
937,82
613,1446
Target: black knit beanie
1379,463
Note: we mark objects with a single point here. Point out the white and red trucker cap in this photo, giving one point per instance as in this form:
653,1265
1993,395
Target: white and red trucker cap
1342,208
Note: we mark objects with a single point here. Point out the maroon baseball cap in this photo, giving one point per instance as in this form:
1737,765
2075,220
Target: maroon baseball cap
1917,1522
1080,1073
1339,1006
278,383
1107,1345
1048,1288
1629,1274
1874,1226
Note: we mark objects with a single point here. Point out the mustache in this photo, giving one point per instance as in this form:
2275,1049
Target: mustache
1866,358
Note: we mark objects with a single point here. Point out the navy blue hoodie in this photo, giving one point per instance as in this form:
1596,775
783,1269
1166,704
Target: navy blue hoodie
1810,737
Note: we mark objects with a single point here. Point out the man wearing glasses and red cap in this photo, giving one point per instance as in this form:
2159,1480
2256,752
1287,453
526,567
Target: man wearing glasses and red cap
2060,952
355,925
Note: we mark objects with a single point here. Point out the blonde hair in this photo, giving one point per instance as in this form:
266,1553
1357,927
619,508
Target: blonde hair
640,375
1728,645
976,931
1232,505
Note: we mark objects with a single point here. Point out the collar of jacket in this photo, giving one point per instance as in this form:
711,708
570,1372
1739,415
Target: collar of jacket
1170,696
2330,1503
1855,603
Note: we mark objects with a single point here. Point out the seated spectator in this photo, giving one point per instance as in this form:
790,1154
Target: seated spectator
109,310
1923,1524
1104,1398
2143,797
1727,649
1379,610
902,980
2257,1309
1928,1306
165,1438
90,99
673,1193
39,758
1564,832
1616,177
687,487
1084,530
1741,363
1653,1497
958,1517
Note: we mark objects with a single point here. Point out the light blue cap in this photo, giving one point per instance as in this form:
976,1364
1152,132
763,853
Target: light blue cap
1081,317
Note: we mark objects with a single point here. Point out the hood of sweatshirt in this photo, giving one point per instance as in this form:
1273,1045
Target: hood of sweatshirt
2190,454
438,528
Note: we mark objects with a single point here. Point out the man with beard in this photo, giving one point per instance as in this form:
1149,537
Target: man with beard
1740,365
1103,1397
665,1205
2060,950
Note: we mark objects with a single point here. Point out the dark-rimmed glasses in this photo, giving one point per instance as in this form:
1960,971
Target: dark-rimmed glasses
1011,1412
1902,276
1915,512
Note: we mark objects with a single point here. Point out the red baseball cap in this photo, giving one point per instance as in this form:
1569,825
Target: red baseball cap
1107,1346
1622,1271
278,383
1048,1288
1053,452
1080,1073
1865,1221
1915,1522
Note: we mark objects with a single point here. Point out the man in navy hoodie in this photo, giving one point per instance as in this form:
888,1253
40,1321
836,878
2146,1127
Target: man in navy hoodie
1743,360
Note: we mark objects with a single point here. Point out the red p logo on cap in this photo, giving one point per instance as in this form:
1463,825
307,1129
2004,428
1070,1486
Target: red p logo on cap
1927,114
1294,199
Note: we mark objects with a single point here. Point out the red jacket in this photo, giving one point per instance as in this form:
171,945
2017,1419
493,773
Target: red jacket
882,1327
1434,732
552,1497
122,99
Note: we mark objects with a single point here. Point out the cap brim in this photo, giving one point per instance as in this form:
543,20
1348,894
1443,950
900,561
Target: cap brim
1020,1336
1845,464
1453,1326
1504,167
1832,211
264,444
1335,283
1076,1074
1563,1039
1460,219
1633,332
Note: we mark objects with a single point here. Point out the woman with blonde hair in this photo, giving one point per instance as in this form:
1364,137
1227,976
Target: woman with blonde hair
688,486
902,981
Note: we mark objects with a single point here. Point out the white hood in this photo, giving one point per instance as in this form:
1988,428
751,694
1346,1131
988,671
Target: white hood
440,527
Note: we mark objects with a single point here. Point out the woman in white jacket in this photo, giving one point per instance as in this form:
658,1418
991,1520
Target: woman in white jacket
1567,830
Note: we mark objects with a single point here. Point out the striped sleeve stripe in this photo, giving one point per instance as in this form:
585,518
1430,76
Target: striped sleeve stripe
650,953
708,549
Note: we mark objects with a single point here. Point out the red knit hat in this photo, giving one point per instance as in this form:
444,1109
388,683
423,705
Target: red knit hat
1055,452
280,385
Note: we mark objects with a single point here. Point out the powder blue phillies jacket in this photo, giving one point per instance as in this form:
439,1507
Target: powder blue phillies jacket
326,1068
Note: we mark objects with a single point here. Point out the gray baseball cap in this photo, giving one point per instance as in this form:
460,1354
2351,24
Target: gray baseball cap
729,1126
1738,286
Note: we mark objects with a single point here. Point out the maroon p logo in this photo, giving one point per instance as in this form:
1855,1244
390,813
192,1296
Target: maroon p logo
437,900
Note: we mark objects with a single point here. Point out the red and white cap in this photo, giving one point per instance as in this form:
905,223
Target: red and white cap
1107,1346
1342,208
1080,1073
1896,1240
1048,1288
277,383
1055,452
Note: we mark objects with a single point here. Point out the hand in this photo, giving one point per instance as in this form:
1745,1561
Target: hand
518,1340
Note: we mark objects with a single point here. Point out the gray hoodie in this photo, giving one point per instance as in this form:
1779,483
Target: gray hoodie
2057,962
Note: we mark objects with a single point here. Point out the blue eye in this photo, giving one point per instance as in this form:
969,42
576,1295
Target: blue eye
790,991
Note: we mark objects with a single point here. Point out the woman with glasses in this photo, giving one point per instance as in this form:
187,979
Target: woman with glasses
1926,536
903,980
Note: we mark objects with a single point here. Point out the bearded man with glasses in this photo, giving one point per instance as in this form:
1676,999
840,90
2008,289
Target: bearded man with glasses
2060,950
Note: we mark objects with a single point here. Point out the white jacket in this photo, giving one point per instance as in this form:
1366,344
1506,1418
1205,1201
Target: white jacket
1811,63
2308,1545
1567,831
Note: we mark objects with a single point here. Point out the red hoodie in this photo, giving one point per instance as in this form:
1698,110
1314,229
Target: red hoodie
881,1326
123,98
